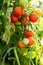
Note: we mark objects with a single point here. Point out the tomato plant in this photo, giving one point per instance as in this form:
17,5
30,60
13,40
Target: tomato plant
21,33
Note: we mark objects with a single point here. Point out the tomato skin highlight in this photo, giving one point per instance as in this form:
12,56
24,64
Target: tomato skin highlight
31,41
33,17
14,19
20,44
18,11
28,33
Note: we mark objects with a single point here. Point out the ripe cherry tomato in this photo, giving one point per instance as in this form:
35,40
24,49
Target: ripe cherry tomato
25,20
20,44
14,19
33,17
18,11
28,33
31,41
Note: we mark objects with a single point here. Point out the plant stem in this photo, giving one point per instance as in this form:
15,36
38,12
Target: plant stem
15,52
6,55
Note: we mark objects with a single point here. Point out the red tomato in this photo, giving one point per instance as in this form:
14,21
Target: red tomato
24,21
20,44
14,19
28,33
18,11
33,17
31,41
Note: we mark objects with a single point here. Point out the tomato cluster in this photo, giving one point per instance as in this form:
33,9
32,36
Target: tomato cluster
28,41
18,14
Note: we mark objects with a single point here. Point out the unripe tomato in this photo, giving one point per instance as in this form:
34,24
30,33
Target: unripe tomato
33,17
18,11
31,41
38,11
11,4
14,19
20,44
25,41
28,33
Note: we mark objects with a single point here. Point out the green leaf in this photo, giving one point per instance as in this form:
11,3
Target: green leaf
29,0
40,24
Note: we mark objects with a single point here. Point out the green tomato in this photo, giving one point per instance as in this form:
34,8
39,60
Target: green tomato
25,41
11,4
